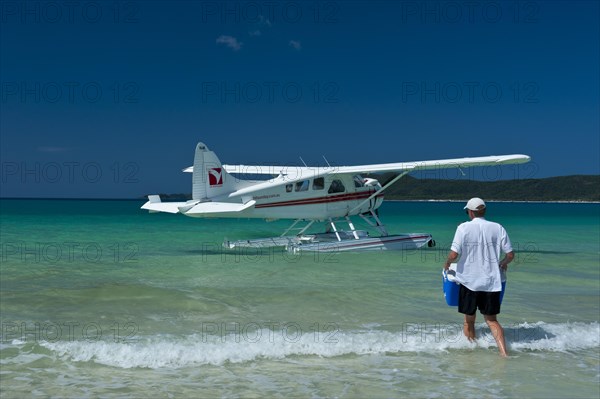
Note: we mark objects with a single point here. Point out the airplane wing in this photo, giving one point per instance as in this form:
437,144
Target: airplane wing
437,164
303,171
295,174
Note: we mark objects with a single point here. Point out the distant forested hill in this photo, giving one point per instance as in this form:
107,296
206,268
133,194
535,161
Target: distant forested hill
563,188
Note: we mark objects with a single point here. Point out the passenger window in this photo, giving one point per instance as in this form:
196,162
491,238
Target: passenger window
358,181
319,183
336,187
302,185
288,188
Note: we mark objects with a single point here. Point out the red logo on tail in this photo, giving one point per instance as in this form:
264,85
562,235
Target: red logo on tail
215,177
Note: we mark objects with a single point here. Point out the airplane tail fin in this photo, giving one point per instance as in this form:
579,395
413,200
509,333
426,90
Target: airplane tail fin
209,177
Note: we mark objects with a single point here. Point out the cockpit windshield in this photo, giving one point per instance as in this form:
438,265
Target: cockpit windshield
358,181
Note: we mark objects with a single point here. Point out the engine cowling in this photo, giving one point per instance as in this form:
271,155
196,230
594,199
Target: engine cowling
372,183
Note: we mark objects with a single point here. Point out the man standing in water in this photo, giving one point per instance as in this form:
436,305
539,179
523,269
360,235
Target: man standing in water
477,245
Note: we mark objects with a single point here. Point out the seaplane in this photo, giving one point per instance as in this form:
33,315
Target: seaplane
307,195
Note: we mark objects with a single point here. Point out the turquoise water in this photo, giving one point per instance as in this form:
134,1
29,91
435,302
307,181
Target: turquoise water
99,298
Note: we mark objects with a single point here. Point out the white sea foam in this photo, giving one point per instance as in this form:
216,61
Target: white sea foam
196,349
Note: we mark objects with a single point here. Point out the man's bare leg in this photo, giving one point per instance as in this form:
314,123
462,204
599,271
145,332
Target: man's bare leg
469,327
497,332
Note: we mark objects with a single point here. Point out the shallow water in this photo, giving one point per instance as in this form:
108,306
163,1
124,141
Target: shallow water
99,298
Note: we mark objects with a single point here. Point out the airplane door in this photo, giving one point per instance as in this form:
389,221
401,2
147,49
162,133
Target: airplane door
337,190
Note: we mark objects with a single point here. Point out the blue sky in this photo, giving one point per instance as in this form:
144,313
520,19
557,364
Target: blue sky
107,99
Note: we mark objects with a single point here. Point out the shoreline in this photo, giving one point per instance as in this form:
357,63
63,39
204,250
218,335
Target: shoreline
493,200
386,200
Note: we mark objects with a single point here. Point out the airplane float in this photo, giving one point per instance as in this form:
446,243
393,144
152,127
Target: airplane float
306,195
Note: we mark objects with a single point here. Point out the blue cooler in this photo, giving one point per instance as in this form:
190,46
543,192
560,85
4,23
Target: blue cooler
452,288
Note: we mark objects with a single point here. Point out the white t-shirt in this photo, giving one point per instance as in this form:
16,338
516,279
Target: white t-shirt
480,244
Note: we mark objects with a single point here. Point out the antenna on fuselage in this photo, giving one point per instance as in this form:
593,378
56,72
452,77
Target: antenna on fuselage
326,160
303,162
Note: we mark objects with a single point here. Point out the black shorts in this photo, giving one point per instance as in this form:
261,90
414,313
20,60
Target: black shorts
487,302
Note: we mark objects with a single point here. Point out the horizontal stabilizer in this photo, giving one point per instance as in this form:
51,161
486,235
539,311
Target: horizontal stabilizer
154,205
196,208
212,209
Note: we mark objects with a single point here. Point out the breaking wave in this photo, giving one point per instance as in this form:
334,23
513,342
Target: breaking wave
237,347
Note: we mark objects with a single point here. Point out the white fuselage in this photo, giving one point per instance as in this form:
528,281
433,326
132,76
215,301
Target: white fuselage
320,198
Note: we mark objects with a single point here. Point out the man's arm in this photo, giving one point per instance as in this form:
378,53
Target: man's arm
452,257
455,247
507,259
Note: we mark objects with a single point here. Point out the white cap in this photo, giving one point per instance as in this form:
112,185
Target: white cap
474,204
